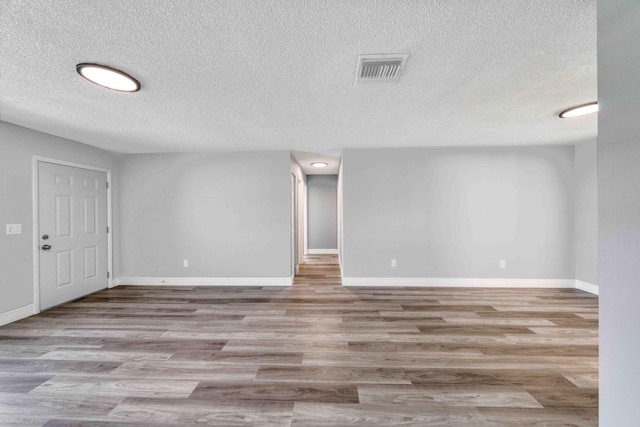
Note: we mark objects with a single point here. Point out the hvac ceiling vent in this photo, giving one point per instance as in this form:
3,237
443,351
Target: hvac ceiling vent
380,68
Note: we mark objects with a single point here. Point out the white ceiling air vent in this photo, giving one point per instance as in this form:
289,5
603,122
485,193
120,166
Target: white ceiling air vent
380,68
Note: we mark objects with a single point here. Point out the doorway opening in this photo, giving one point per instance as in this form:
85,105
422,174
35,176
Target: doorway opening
315,213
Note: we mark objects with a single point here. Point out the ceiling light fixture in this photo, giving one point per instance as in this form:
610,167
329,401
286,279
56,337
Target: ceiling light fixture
319,165
108,77
580,110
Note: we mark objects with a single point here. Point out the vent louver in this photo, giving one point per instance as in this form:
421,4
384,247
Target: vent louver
380,68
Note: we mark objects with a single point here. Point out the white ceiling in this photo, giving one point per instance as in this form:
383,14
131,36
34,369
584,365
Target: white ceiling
278,74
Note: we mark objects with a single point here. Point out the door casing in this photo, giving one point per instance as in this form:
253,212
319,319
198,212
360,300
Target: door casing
36,223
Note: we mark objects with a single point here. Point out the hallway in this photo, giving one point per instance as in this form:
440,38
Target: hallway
319,270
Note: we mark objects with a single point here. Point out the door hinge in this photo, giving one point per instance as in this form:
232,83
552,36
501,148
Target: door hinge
108,275
107,184
107,230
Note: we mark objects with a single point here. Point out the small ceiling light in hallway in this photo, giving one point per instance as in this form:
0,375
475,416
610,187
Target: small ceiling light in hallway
319,165
580,110
108,77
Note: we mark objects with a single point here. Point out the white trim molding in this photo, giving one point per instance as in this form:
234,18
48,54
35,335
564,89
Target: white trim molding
588,287
322,251
204,281
458,283
16,314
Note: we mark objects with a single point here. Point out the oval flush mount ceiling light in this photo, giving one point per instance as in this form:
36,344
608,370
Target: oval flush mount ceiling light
319,165
580,110
108,77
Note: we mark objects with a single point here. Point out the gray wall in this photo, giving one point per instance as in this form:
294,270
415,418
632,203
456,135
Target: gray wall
619,210
456,212
227,213
17,148
322,199
586,208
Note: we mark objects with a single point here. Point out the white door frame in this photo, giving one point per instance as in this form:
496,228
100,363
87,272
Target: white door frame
305,219
300,240
294,232
35,192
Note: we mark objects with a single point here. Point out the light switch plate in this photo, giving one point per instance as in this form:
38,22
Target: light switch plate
14,228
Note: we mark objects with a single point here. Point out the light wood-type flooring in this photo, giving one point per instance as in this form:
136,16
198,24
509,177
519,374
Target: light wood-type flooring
314,354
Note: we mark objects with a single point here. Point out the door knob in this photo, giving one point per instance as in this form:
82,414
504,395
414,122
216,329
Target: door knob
46,247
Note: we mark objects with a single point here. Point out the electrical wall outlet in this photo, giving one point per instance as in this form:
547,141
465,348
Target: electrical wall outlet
503,263
185,263
393,263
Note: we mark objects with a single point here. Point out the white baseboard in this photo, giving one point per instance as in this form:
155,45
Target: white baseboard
458,283
322,252
587,287
15,315
204,281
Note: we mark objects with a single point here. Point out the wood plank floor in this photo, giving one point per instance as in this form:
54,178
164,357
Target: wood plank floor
315,354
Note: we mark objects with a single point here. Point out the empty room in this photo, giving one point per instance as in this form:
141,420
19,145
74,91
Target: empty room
319,213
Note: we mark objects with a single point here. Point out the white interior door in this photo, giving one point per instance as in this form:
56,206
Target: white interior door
72,209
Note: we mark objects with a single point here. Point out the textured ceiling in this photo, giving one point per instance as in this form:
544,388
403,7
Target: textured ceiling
278,74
